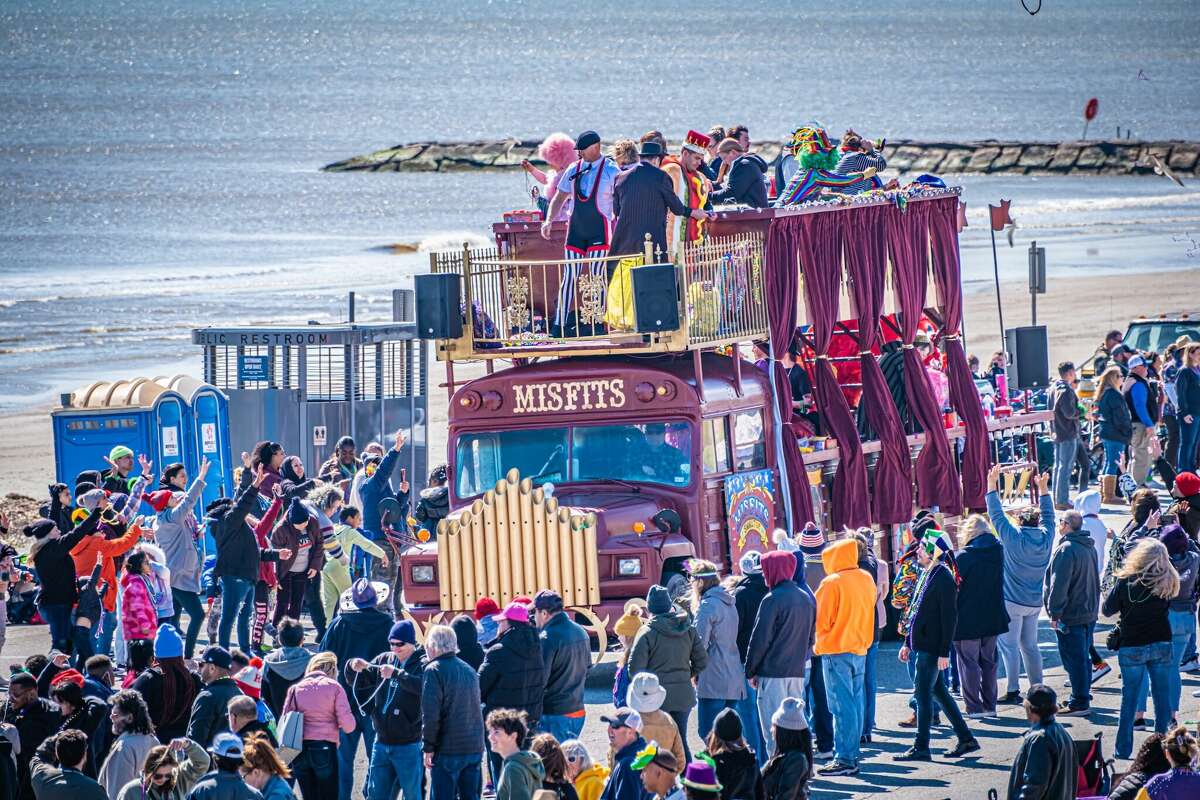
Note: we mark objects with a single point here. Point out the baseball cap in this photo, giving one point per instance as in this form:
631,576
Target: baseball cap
217,656
513,612
1042,699
624,718
548,600
228,745
1136,361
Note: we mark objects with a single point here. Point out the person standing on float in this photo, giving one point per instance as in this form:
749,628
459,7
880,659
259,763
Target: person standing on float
589,182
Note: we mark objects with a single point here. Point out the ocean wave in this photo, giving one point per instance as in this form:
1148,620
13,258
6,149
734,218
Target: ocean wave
1081,205
452,240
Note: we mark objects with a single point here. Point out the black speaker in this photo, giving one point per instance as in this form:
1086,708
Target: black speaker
439,306
655,298
1028,359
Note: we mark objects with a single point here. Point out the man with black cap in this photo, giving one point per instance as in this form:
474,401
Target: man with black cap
389,688
360,630
589,182
566,654
210,709
1046,766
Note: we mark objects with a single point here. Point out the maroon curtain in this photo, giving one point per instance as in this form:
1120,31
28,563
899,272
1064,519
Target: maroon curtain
820,241
782,279
908,245
947,278
865,244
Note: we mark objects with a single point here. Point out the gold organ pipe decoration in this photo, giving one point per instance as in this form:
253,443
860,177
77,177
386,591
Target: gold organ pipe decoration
515,540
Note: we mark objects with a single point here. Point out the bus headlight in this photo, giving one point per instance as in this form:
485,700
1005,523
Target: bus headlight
629,566
422,573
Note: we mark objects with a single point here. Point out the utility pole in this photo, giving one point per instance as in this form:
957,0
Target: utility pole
1037,277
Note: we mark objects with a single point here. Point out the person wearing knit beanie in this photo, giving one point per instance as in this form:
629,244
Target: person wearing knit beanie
297,513
658,600
158,500
812,539
91,499
39,528
167,643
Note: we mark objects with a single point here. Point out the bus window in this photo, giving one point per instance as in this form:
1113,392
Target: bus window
484,458
716,446
655,452
749,445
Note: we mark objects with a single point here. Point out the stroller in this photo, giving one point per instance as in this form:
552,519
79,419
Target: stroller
1095,772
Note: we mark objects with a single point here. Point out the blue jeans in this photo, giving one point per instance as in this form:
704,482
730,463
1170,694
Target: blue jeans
912,701
817,706
1064,461
928,688
188,603
348,748
561,727
58,617
237,602
1112,456
1183,626
103,632
844,690
1189,437
707,709
395,768
748,710
1074,648
869,689
455,777
1153,660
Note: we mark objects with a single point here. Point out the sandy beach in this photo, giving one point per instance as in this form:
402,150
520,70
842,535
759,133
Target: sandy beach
1078,312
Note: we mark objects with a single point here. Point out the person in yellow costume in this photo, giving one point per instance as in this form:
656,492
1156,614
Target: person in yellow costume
335,575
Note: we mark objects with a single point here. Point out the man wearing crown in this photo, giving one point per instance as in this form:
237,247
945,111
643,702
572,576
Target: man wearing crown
818,159
691,187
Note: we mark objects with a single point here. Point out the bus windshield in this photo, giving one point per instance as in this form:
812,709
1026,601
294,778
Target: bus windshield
654,452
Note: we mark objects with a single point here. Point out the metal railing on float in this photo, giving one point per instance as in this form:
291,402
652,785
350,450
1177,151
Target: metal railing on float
586,305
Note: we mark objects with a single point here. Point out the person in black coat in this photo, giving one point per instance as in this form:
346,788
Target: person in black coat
642,196
238,559
981,615
469,649
51,556
748,594
85,714
1046,766
744,182
35,718
513,674
933,615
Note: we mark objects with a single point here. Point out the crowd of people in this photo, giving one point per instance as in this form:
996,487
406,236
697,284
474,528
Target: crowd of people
778,659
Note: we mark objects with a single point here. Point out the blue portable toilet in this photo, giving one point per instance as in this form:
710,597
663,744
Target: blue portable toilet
208,434
149,416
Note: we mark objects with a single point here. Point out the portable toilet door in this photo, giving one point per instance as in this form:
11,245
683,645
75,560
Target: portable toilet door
210,421
171,433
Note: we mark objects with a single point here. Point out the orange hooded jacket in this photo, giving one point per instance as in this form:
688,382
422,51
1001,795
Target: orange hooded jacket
85,554
845,603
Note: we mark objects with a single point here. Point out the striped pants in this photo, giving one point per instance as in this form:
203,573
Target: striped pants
567,297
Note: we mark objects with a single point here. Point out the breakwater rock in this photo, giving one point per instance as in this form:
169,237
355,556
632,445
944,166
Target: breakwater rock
1123,157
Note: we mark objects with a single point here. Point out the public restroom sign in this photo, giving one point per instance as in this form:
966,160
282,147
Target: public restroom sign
208,437
254,368
170,442
750,511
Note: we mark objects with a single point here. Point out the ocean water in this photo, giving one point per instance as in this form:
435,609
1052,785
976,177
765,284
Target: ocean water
159,161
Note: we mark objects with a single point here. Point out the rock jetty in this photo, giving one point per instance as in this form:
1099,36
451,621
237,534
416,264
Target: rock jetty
1124,157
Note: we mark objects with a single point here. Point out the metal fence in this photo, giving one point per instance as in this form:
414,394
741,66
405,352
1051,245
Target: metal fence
724,298
512,304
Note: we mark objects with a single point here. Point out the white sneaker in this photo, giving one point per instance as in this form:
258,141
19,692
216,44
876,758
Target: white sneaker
1191,665
979,715
828,754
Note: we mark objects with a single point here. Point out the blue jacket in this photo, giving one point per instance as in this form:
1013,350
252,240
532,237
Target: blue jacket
373,490
1116,424
623,782
1026,551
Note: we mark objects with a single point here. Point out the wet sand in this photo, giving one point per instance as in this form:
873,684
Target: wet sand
1077,311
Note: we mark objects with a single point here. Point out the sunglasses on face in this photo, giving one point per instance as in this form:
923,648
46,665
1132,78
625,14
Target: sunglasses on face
162,777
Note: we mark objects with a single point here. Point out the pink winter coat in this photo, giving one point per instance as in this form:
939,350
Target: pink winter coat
324,704
138,617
